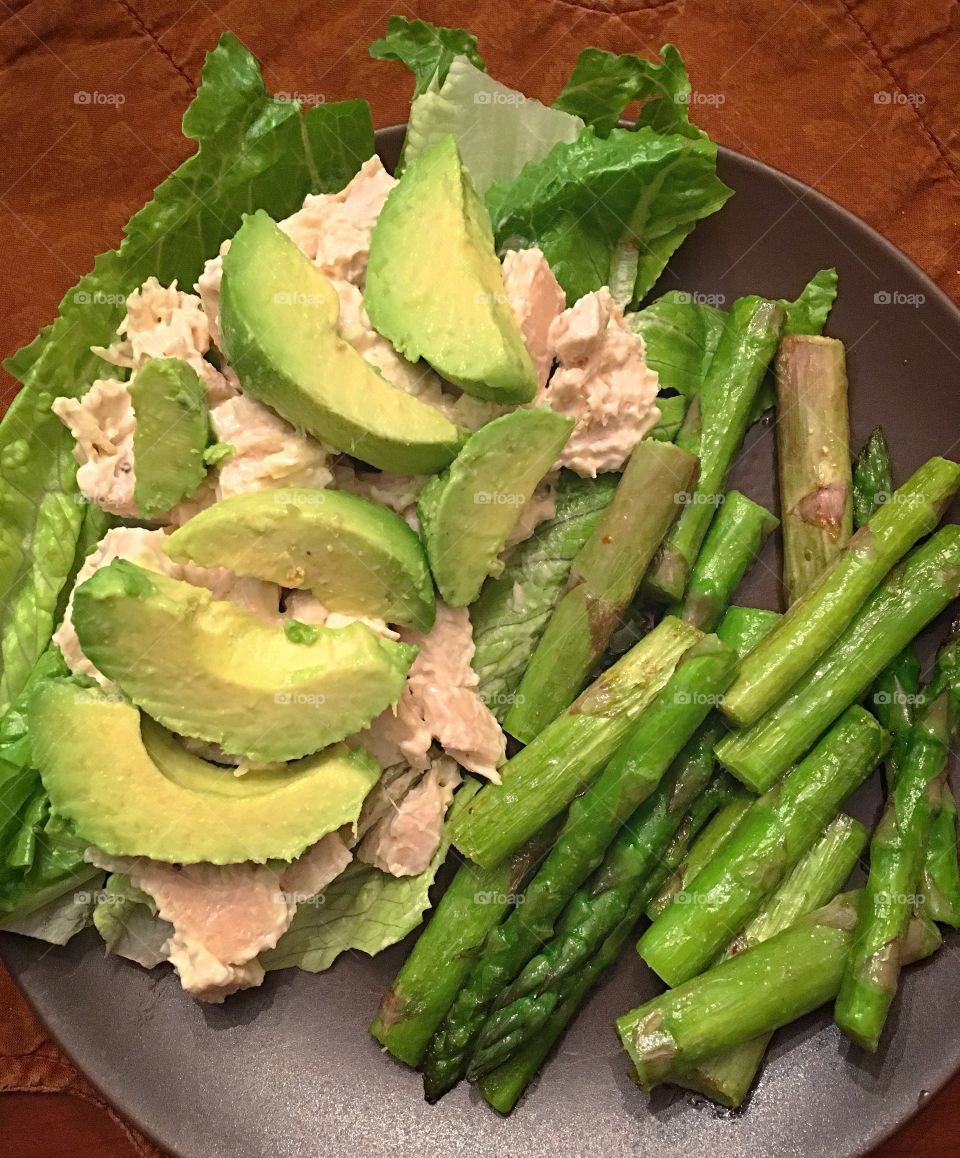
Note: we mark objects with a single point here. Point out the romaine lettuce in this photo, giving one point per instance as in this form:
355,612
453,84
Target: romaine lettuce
428,51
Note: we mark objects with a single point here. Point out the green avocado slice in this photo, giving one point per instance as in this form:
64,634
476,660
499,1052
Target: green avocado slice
208,669
356,556
434,284
468,512
173,426
131,789
278,316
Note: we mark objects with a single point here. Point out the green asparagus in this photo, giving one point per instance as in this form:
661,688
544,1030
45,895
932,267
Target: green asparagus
940,883
750,994
893,701
603,580
779,828
896,861
542,779
812,624
727,1077
907,600
732,543
872,478
813,438
422,992
743,627
716,424
512,611
592,823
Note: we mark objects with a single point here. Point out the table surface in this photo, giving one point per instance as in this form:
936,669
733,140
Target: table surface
839,93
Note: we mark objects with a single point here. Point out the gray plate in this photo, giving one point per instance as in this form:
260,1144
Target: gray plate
289,1069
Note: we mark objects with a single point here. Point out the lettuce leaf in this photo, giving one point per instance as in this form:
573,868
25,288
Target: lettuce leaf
809,313
602,84
126,918
428,51
609,211
512,610
497,129
60,919
253,151
363,909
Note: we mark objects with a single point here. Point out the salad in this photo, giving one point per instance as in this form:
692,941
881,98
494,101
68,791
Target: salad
358,521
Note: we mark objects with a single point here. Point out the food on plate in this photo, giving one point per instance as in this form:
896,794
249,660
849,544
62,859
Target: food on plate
409,538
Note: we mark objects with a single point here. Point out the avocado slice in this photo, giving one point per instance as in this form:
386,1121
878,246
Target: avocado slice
173,427
434,284
353,554
132,789
468,512
208,669
278,317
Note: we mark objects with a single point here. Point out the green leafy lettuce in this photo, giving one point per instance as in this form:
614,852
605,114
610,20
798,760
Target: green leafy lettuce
512,610
428,51
126,918
602,84
253,151
609,210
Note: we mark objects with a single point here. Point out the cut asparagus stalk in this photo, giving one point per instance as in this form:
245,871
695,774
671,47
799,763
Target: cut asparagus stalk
812,624
896,860
728,1077
716,425
503,1086
779,828
733,542
748,995
673,410
512,611
813,440
592,823
704,849
540,781
941,873
422,992
603,580
872,478
908,599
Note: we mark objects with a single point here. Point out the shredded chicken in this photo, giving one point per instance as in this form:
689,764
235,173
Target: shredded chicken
404,841
103,422
603,382
535,297
306,608
164,322
440,702
223,916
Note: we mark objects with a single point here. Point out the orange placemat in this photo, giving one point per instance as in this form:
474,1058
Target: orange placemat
855,97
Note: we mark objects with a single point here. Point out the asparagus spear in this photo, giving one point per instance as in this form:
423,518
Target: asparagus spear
422,992
591,824
872,477
750,994
779,828
941,873
603,580
673,410
540,781
512,611
704,849
826,610
813,439
727,1077
894,698
732,543
503,1086
908,599
717,426
896,860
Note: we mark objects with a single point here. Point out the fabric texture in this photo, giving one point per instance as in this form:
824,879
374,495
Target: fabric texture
856,97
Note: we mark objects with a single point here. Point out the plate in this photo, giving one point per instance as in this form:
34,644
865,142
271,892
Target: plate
290,1070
